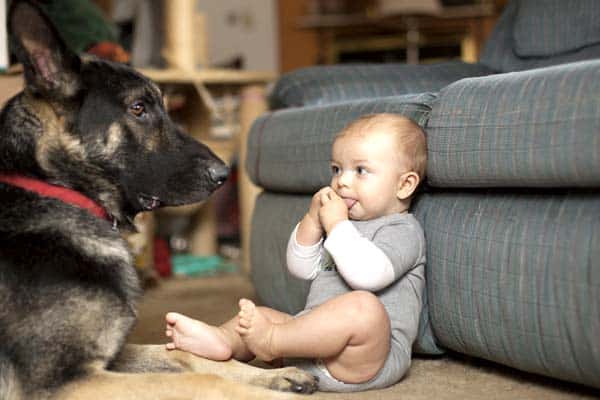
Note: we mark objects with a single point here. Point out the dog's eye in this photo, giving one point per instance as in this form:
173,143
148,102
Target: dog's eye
137,108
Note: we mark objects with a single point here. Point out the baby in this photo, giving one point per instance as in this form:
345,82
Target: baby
365,255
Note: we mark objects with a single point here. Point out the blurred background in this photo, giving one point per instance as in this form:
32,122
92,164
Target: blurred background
282,35
215,61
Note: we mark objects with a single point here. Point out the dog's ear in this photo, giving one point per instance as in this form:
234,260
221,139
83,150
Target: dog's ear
50,67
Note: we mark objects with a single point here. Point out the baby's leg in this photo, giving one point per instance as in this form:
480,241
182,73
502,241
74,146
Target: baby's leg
213,342
350,333
187,334
240,350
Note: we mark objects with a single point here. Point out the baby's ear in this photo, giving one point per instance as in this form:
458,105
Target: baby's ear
407,184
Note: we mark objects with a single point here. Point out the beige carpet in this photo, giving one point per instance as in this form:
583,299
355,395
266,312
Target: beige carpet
214,300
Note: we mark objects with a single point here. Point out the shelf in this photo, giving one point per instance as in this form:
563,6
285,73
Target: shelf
208,76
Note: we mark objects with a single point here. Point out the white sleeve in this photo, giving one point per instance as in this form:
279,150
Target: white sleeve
303,261
360,262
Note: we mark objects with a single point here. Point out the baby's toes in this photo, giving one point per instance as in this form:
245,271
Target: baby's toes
248,308
245,305
242,331
171,318
244,321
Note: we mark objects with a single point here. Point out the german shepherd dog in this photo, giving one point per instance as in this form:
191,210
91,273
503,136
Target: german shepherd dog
83,148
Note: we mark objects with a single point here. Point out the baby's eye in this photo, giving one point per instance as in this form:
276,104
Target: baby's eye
335,170
361,170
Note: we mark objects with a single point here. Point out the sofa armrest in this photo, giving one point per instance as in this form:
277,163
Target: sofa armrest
535,128
290,150
332,84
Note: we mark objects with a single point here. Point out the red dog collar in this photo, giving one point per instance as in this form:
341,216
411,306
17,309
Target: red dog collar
61,193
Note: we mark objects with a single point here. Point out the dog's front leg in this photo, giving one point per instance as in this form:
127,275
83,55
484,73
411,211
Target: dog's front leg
144,358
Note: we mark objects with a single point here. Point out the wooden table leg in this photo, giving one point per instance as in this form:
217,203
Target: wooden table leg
253,103
203,239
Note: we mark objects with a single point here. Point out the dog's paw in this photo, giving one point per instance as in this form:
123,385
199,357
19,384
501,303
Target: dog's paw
304,387
290,379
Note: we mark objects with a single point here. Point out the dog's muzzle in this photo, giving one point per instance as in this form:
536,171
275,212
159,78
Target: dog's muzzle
218,173
148,202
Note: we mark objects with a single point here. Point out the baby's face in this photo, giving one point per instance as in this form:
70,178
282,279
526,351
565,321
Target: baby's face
366,173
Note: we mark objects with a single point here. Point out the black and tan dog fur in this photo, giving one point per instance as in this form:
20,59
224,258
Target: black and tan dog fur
68,290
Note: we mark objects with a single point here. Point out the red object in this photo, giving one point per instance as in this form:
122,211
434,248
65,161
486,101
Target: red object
162,257
61,193
109,51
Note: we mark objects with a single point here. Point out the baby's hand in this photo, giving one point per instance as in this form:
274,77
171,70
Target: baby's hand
310,229
333,209
315,206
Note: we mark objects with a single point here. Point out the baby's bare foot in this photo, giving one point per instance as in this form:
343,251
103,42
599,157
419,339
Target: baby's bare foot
256,330
196,337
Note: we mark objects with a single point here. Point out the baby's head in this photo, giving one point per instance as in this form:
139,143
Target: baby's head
377,163
408,138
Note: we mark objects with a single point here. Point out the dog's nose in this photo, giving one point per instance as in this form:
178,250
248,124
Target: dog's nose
218,173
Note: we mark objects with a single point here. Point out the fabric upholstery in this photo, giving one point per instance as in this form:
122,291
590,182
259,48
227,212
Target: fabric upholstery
529,34
565,26
289,150
499,52
275,216
538,128
338,83
513,277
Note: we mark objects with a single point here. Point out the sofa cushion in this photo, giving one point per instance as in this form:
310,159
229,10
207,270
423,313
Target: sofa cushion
340,83
565,26
538,128
499,53
290,150
275,216
515,278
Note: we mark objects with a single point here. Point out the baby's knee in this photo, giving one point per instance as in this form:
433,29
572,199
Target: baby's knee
366,309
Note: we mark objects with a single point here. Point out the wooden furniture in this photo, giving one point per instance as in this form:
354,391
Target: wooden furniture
10,84
201,89
460,26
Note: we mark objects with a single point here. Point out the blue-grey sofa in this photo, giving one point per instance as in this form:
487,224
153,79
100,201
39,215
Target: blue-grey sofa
511,206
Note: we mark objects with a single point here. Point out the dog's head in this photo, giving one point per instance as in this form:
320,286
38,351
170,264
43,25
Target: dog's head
97,127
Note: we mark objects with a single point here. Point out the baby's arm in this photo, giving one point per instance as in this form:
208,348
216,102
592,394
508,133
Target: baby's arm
374,264
304,247
362,264
303,261
310,230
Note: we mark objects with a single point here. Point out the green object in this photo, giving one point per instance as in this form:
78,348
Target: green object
81,23
190,265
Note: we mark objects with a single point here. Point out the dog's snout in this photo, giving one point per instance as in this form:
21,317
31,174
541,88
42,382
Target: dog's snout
218,173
